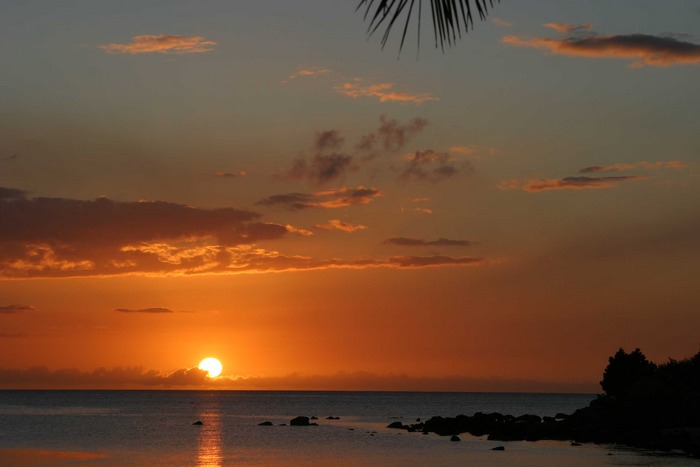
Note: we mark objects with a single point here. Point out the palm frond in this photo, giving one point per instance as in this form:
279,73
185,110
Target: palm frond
450,17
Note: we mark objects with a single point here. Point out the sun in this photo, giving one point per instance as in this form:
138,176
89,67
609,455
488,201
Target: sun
212,366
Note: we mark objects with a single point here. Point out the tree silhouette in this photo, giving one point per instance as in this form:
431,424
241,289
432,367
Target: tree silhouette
449,17
624,370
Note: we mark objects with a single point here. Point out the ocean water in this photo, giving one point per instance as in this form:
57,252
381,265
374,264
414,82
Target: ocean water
155,428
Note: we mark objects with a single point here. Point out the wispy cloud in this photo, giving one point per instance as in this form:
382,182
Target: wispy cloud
310,72
337,224
155,310
240,173
404,241
337,198
384,92
644,165
643,49
577,183
163,44
432,166
501,22
11,309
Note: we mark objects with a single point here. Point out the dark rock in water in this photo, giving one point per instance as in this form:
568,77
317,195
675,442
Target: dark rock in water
426,433
265,424
575,444
499,448
314,418
299,421
398,425
455,438
198,422
332,418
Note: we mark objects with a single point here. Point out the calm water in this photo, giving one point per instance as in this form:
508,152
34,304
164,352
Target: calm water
155,428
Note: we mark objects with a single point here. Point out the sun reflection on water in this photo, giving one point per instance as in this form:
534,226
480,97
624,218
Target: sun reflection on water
209,443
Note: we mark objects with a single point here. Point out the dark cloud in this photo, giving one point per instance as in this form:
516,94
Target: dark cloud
11,193
139,378
49,237
390,136
577,183
644,49
115,378
403,241
10,309
144,310
328,139
325,165
433,166
644,165
323,199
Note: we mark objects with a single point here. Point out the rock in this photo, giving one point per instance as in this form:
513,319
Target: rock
455,438
282,424
314,418
499,448
332,418
268,423
418,419
299,421
198,422
426,433
398,425
574,443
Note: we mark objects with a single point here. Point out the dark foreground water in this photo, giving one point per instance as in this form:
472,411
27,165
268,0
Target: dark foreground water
155,428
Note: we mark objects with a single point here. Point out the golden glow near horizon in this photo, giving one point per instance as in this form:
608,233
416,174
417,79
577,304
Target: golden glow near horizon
212,366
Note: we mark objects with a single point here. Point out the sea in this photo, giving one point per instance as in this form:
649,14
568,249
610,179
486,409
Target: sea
120,428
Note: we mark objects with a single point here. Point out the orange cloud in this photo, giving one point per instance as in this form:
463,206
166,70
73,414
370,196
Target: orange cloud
156,310
309,72
337,224
404,241
644,49
163,44
383,91
338,198
501,22
576,183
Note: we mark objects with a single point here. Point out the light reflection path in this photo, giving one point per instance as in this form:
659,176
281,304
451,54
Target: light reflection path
209,443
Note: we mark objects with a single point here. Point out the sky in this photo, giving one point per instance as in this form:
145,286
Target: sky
262,183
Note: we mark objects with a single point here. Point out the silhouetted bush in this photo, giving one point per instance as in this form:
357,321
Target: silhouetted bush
624,370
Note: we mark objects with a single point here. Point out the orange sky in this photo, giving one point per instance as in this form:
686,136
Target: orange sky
177,182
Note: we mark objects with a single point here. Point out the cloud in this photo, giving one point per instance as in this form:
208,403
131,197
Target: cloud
297,231
329,199
102,378
577,183
403,241
383,91
11,309
336,224
643,49
140,378
325,165
240,173
432,166
391,136
50,237
311,72
619,167
155,310
501,22
569,28
163,44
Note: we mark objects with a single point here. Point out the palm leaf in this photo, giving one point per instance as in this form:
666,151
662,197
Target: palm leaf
450,17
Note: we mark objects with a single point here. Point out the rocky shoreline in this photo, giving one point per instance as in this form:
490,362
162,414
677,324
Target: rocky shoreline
601,422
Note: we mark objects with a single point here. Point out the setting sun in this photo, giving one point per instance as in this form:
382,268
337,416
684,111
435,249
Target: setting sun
212,366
